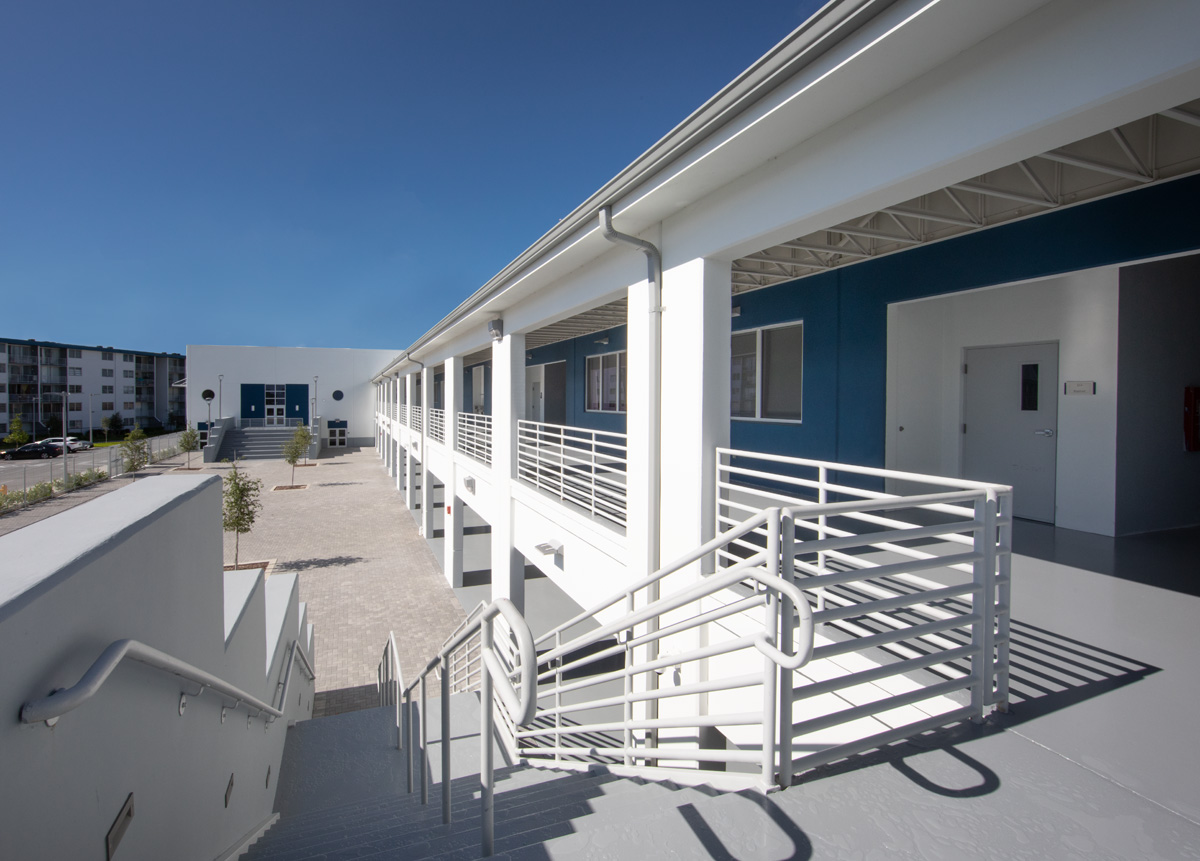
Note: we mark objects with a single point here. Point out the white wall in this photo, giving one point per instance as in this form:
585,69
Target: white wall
347,370
926,340
142,562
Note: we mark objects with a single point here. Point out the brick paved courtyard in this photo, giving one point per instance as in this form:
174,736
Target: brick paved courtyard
364,570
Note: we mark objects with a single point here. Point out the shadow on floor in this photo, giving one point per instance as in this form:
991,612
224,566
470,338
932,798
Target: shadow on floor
316,562
342,700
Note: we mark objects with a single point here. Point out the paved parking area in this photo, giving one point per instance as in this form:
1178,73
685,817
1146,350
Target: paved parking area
364,570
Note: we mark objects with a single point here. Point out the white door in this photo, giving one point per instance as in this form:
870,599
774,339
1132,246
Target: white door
534,406
1010,422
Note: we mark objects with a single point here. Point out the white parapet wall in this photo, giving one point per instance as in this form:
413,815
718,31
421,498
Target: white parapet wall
144,563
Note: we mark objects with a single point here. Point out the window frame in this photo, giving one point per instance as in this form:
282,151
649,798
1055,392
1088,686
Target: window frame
622,363
758,373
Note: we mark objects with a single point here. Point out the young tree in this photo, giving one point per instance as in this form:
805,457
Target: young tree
17,435
240,505
303,437
111,423
189,441
135,450
292,452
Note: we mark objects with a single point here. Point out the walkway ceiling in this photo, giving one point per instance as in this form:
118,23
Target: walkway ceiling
592,320
1153,149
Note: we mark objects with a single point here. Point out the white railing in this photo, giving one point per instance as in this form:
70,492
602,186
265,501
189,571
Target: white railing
390,685
392,412
51,708
577,465
436,425
917,584
475,436
280,422
402,414
415,418
505,659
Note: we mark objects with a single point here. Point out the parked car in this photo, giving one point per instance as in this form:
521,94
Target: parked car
73,443
34,450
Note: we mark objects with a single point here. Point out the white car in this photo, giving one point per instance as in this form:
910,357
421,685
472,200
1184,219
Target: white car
73,443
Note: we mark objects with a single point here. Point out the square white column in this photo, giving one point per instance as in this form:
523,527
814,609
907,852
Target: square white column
426,520
508,405
641,427
452,530
410,465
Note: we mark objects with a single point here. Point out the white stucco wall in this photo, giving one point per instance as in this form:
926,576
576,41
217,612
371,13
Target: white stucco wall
345,370
926,340
143,562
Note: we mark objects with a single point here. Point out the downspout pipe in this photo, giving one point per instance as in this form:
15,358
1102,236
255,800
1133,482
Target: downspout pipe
654,372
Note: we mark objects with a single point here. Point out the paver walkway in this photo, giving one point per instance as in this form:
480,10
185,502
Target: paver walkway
364,570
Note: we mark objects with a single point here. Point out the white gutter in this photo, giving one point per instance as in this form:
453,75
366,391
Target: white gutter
824,29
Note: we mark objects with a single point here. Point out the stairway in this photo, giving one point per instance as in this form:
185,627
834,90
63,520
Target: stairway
254,443
342,794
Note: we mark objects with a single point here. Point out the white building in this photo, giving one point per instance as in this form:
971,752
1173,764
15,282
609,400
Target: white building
98,382
283,386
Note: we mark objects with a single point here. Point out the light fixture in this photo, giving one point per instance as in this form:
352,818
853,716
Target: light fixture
549,547
496,329
469,484
736,311
602,340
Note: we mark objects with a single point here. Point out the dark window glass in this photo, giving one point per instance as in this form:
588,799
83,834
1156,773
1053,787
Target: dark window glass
1029,387
783,366
743,393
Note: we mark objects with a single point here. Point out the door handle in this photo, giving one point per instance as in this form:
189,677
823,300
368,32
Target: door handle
1045,432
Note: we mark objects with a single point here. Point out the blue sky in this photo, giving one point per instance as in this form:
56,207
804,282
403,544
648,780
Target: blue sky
320,174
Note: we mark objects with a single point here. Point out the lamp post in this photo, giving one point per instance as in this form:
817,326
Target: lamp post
220,386
64,436
90,415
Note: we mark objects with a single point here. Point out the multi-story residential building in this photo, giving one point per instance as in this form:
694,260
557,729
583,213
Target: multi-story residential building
96,382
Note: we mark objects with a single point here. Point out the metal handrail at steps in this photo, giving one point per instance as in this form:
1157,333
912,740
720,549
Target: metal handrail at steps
51,708
516,702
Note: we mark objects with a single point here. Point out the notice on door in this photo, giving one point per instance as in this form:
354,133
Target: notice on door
1079,387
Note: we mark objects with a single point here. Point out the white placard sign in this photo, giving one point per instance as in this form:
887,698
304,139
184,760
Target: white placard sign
1079,387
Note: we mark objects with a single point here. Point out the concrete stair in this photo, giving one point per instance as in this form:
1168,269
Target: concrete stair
342,794
254,443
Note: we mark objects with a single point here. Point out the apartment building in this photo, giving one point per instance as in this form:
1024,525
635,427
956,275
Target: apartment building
96,382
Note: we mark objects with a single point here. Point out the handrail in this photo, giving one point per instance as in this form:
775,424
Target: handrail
519,707
297,649
54,706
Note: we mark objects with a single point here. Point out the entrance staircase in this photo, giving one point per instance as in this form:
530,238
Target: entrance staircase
342,795
254,443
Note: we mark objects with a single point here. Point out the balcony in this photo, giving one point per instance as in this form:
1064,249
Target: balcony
580,466
436,428
475,437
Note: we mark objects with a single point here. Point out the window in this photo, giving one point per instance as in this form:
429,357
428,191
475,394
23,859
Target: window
3,388
128,405
3,368
606,383
128,390
75,372
75,424
127,357
106,405
74,354
127,374
766,373
106,390
106,356
106,372
75,389
75,407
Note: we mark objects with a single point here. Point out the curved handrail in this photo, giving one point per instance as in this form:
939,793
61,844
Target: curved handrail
59,703
522,704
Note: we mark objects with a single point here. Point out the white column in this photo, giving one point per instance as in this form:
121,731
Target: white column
452,531
410,465
508,405
426,476
389,454
401,455
695,399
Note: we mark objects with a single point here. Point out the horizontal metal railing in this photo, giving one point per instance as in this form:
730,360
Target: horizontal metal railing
577,465
917,582
402,414
436,425
506,671
390,685
57,704
269,423
415,418
475,436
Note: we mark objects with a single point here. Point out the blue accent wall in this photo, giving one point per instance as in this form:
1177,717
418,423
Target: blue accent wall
254,401
296,401
575,353
845,310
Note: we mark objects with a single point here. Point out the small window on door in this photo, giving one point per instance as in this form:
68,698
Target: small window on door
1029,388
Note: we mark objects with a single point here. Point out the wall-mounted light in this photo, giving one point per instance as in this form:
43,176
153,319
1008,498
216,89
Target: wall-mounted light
602,340
548,547
736,311
529,357
469,484
496,329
